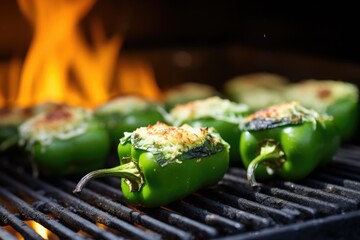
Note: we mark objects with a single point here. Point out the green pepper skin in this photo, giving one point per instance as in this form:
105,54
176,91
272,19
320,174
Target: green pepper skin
230,132
346,117
305,148
335,98
77,155
174,181
64,140
117,123
160,164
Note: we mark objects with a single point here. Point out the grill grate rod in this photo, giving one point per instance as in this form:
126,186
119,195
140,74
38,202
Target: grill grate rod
345,182
123,211
230,209
345,203
348,193
253,207
251,221
225,225
71,218
10,219
304,212
7,236
33,214
324,208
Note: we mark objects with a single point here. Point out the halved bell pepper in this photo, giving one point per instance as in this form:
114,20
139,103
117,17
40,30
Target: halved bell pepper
126,113
160,164
336,98
286,140
65,140
187,92
10,119
221,114
257,90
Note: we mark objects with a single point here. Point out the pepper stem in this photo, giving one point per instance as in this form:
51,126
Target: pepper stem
271,155
130,171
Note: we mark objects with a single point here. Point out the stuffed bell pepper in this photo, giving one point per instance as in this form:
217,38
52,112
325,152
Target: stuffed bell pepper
222,114
336,98
125,114
65,140
286,140
257,90
187,92
10,119
160,164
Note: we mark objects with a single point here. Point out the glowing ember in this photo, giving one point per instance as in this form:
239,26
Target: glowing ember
61,66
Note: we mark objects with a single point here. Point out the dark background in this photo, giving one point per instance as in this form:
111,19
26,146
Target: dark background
324,29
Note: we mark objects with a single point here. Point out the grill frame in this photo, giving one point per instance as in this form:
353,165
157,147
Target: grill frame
326,205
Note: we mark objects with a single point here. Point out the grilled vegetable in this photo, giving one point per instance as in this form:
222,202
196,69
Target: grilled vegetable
222,114
10,119
257,90
287,140
187,92
160,164
336,98
65,140
125,114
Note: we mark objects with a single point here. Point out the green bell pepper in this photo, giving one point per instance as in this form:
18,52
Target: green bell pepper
160,164
10,119
221,114
257,90
336,98
65,140
286,140
127,113
187,92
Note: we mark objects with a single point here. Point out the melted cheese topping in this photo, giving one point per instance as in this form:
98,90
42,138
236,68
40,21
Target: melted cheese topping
62,122
213,107
289,113
124,105
167,143
320,94
257,90
189,90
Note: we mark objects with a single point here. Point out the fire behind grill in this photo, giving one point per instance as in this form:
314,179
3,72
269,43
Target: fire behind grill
323,206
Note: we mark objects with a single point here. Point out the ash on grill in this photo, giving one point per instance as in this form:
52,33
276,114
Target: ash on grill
323,206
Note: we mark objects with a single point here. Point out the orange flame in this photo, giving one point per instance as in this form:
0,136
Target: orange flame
61,66
39,229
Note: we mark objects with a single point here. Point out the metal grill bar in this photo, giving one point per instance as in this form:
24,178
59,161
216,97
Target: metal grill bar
111,190
347,193
323,208
345,203
347,183
266,200
253,207
67,216
122,211
229,210
10,219
251,220
225,225
6,235
91,212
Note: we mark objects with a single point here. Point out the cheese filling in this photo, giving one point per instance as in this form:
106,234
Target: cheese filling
290,113
213,107
62,122
174,144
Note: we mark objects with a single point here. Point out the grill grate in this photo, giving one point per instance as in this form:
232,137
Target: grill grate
317,206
